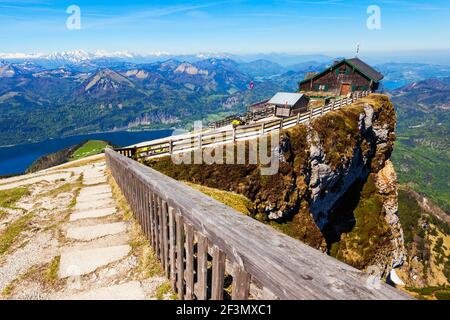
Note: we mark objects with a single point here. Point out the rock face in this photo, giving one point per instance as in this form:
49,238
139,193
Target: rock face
386,182
342,156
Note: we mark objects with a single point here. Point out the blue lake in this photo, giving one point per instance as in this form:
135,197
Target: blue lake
16,159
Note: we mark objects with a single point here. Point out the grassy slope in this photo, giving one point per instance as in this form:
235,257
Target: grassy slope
421,155
76,152
425,170
8,199
370,232
427,241
90,148
231,199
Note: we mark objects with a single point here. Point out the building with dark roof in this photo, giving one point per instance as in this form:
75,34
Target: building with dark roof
343,77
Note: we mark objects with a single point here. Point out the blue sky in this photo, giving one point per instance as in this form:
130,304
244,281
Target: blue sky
292,26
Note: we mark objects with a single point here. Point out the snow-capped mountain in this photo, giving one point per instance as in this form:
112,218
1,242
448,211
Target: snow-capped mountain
81,58
78,56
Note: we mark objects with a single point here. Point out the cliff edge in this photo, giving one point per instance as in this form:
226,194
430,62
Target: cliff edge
335,189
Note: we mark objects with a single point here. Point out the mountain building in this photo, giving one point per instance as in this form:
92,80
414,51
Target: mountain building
288,104
342,78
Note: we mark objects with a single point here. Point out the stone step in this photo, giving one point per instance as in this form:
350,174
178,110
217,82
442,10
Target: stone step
94,204
80,262
94,181
105,188
126,291
97,231
94,213
93,175
93,197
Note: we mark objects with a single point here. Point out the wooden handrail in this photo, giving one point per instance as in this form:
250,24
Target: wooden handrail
170,145
185,227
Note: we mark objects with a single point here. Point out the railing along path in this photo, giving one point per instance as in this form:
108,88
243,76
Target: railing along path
210,251
194,141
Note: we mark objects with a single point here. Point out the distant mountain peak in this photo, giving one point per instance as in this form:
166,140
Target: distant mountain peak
188,68
106,80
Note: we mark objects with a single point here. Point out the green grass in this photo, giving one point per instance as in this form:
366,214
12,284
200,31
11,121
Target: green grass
440,293
409,213
92,147
424,169
51,274
9,235
421,154
233,200
9,197
359,247
163,290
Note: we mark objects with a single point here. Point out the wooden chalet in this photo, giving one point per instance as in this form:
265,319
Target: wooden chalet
343,77
288,104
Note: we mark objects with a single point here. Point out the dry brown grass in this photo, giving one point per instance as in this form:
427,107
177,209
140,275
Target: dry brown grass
148,263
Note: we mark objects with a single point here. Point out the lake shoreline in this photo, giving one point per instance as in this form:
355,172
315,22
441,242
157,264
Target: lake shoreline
14,160
87,134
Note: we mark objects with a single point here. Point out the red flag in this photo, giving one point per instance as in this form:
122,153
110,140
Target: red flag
252,85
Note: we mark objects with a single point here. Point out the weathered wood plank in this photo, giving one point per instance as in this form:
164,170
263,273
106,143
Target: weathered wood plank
172,248
189,272
145,211
283,265
218,274
180,255
156,216
160,232
241,283
152,220
165,237
202,267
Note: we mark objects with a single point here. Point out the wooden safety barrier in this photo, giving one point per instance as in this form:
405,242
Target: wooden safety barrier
174,144
204,245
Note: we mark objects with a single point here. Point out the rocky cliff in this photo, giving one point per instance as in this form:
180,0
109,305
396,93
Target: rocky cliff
335,188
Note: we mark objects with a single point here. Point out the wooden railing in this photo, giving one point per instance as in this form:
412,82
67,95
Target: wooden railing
193,141
204,246
246,117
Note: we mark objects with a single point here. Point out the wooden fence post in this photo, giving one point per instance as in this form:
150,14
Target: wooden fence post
170,146
172,248
180,256
298,117
200,142
241,284
218,271
263,126
189,273
202,267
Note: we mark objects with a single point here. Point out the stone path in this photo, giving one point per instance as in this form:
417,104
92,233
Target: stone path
127,291
89,227
78,243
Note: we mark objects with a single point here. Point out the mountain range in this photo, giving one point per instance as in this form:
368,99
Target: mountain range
37,102
421,153
51,95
